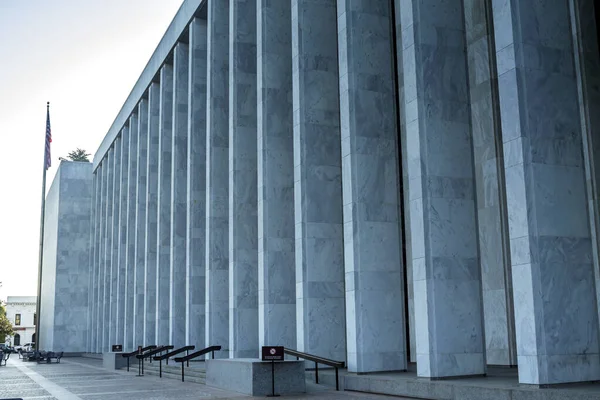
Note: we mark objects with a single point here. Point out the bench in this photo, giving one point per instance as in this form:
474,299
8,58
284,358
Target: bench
54,355
47,356
4,357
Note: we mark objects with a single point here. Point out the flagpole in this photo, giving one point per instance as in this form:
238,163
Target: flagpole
41,255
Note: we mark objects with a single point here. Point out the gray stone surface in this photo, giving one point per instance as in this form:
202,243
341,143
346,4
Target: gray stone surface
94,263
114,244
488,160
112,361
550,238
254,377
196,186
217,188
317,181
163,269
372,221
108,239
446,274
179,154
587,70
151,214
131,244
243,218
276,268
65,278
124,179
140,224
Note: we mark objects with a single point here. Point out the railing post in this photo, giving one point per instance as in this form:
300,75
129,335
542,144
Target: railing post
337,383
182,380
316,372
187,353
160,368
213,354
127,364
142,365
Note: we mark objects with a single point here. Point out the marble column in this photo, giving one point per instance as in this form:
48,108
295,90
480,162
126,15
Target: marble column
108,251
196,186
243,220
124,178
114,244
130,269
96,271
585,15
550,240
403,184
446,274
498,310
151,214
177,290
140,223
163,267
100,269
376,327
91,262
217,165
275,164
319,238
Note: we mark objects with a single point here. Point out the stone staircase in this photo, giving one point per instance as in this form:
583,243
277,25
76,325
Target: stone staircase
196,372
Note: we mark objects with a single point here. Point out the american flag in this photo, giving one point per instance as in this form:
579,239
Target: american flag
48,137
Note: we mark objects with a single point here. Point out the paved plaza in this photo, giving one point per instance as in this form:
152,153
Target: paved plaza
84,378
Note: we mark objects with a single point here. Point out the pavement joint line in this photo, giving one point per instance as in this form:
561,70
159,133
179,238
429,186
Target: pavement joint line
49,386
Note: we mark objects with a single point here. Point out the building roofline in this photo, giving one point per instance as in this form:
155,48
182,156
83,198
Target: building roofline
188,10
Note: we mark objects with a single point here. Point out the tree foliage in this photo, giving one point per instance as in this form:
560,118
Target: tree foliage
6,328
78,155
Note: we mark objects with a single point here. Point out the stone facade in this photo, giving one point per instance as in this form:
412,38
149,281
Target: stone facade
380,182
65,311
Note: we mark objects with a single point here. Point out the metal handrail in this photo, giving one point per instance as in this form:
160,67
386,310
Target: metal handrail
170,354
153,352
143,356
198,353
133,353
318,360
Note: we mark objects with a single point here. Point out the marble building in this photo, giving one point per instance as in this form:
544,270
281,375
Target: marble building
382,182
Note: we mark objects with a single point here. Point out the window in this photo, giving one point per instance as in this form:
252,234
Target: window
33,319
17,339
17,319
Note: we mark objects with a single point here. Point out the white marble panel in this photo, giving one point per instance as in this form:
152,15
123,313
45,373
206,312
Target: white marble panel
217,182
122,252
243,218
163,266
130,246
370,191
444,251
317,181
179,154
551,241
196,186
140,224
151,214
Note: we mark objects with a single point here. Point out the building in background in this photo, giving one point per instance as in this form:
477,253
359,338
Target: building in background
20,311
379,182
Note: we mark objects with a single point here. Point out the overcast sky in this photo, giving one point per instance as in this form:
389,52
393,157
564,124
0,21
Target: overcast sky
84,58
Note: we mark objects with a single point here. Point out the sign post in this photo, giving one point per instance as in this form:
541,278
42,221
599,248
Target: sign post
272,353
140,361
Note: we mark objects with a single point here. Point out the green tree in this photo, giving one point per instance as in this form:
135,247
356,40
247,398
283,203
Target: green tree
6,328
77,155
